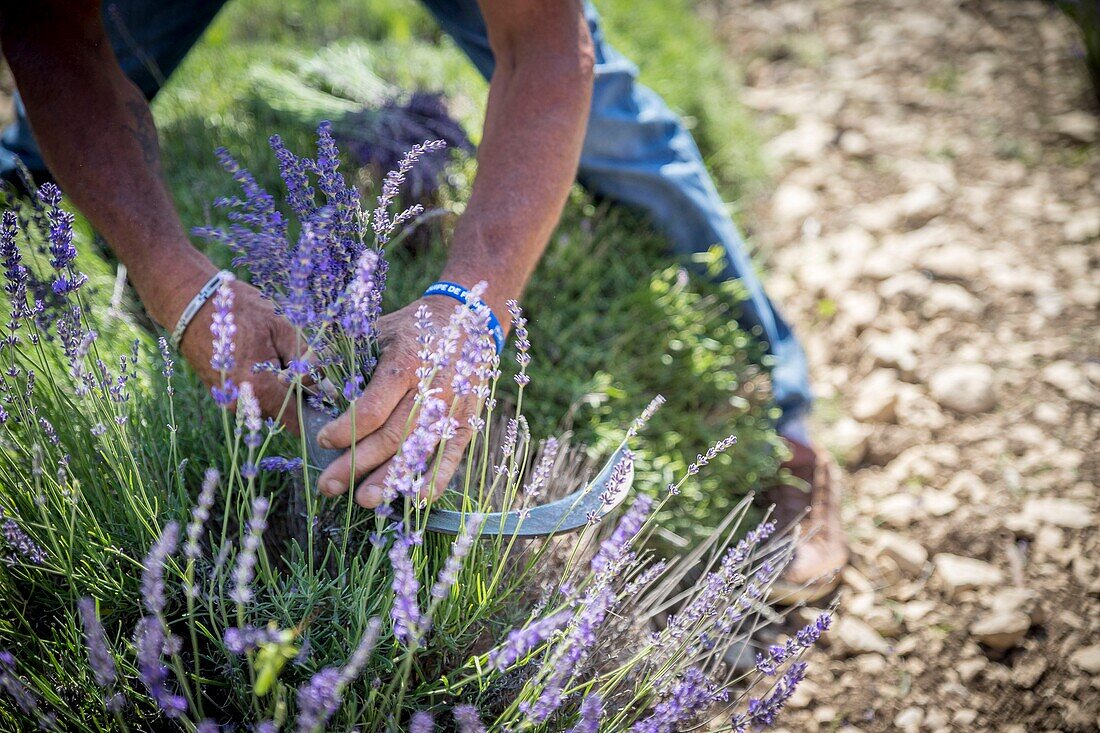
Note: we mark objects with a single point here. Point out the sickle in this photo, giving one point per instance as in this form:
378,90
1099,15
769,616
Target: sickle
567,514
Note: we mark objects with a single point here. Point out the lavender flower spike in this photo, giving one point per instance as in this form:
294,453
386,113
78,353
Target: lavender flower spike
320,698
20,541
150,643
468,720
691,696
13,686
422,723
200,513
615,547
519,642
246,561
460,548
152,574
591,714
405,611
95,641
223,328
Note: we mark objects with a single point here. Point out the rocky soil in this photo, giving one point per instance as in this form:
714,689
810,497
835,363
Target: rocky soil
934,235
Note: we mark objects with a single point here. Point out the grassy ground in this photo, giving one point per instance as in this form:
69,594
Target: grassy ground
614,321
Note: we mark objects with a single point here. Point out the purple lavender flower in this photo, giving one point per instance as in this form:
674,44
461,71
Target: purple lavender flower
647,415
768,664
223,328
150,641
378,137
460,548
579,640
16,274
248,416
241,640
421,722
280,464
763,711
318,699
691,696
362,302
152,574
200,513
20,541
702,460
719,584
95,641
405,611
519,328
295,174
541,474
591,714
245,570
60,236
508,446
615,548
383,224
519,642
468,720
207,726
15,688
616,482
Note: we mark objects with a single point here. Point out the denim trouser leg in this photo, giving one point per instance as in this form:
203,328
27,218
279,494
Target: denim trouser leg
150,40
637,152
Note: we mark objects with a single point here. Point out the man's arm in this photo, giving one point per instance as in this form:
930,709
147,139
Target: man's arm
538,107
97,136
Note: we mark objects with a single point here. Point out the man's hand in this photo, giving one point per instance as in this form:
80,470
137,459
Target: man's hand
262,336
379,420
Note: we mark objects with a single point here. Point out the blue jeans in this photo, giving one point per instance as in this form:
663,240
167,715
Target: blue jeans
636,151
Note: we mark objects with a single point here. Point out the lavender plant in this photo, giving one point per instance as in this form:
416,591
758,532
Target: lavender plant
148,589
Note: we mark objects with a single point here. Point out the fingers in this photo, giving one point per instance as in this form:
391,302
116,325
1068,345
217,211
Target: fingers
438,476
369,453
387,387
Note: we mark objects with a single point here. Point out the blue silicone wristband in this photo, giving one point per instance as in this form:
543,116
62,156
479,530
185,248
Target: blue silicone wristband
461,294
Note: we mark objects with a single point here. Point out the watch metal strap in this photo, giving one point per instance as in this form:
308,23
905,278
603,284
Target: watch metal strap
205,294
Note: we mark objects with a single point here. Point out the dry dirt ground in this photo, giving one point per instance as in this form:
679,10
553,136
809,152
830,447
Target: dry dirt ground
934,237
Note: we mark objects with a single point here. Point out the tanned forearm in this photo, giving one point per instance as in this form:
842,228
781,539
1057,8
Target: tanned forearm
538,107
97,137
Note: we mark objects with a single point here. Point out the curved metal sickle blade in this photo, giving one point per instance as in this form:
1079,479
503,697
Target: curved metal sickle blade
566,514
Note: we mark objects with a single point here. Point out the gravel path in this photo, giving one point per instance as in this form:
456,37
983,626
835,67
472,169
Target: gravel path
934,236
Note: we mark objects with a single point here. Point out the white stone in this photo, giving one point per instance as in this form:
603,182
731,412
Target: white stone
1059,512
1067,377
949,299
899,510
939,503
856,637
1087,659
909,554
1001,630
848,440
1078,125
960,574
965,388
805,143
1082,226
921,204
792,203
877,397
909,720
